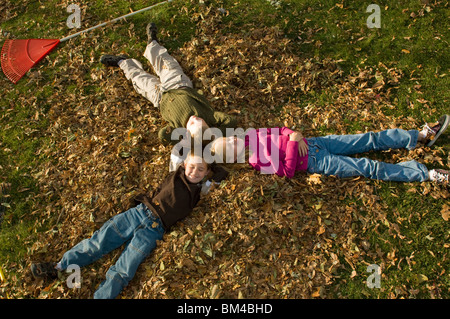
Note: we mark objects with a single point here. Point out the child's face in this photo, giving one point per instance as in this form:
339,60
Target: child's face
195,169
195,124
232,146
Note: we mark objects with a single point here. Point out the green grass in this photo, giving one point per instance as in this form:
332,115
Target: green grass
416,253
21,123
342,34
20,142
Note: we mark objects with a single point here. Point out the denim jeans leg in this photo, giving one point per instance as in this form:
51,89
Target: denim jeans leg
371,141
345,166
114,233
327,155
142,243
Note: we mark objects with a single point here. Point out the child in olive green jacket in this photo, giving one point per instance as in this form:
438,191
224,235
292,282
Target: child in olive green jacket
171,90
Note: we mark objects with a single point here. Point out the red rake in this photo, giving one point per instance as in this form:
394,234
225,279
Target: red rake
19,56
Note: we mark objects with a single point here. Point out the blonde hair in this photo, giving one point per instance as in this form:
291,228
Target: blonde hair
193,153
221,153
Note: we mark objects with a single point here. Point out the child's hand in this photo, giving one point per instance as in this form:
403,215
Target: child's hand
302,146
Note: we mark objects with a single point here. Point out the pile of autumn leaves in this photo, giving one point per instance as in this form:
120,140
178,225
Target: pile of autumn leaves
255,236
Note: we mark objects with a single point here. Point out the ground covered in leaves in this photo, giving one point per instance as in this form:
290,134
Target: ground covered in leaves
256,236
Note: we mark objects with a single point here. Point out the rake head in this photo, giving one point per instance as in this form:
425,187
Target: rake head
18,56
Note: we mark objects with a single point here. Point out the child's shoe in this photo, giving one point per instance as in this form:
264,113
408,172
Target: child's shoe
151,32
112,60
44,270
439,176
431,134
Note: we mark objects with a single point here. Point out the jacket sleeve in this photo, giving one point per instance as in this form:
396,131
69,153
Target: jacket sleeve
285,131
290,161
165,135
224,121
219,173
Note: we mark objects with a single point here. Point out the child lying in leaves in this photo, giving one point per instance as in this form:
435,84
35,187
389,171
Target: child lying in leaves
282,151
171,90
139,227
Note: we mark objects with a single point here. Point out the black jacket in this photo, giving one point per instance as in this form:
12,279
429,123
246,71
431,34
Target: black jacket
176,197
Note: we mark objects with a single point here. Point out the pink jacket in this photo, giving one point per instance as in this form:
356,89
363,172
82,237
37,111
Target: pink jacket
284,160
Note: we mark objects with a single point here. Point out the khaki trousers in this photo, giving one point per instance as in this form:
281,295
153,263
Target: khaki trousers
169,73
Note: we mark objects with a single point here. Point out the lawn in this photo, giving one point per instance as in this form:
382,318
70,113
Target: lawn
77,143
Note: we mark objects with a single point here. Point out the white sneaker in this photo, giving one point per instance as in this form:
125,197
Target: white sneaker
439,176
431,134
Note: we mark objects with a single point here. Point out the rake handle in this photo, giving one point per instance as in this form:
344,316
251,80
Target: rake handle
111,21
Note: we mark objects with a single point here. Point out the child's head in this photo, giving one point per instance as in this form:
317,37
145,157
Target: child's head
228,149
196,126
195,168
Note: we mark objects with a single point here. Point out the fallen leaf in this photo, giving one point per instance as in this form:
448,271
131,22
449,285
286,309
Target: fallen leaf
445,212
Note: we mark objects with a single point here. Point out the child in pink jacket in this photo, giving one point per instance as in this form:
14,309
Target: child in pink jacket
282,151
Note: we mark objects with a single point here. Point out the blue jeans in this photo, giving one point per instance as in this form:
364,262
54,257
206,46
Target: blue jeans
136,228
328,155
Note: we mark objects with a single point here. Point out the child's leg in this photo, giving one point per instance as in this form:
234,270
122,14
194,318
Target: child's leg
322,162
166,67
361,143
114,233
144,83
120,274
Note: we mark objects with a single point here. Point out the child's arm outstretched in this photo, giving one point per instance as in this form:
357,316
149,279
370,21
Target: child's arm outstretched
219,174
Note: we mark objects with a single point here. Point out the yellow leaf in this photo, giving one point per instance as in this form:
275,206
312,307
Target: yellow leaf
445,212
421,278
406,51
321,230
317,293
314,179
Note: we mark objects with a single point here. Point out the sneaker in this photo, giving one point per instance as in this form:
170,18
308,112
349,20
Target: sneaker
439,176
151,32
432,133
112,60
44,270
